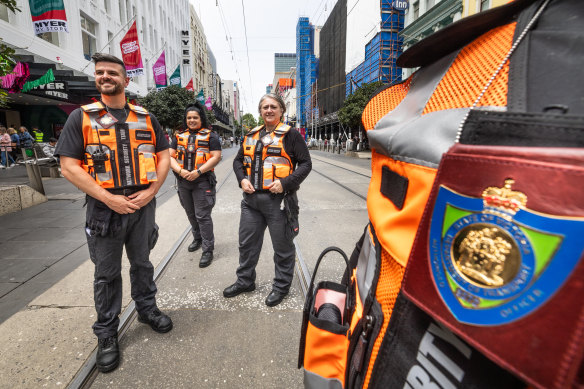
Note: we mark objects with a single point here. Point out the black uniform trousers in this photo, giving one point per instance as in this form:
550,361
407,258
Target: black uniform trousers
138,232
198,199
258,211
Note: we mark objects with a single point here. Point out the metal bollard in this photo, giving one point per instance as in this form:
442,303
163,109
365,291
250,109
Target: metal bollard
34,173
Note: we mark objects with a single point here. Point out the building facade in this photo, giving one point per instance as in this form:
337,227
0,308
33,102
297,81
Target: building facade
384,20
93,26
201,63
283,62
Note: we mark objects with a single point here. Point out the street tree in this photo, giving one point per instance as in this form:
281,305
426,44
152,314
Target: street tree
168,105
352,109
248,120
6,53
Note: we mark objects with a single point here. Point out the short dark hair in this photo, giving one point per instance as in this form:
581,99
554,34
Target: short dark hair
103,57
198,108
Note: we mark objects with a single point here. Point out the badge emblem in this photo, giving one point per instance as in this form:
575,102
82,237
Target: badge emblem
493,260
107,120
267,140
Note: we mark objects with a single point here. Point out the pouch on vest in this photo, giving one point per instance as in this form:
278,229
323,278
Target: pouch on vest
498,255
99,164
147,163
324,336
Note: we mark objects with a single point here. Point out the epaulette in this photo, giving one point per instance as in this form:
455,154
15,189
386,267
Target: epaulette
283,129
137,109
93,107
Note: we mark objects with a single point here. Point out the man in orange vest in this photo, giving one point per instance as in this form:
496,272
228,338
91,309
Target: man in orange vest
117,154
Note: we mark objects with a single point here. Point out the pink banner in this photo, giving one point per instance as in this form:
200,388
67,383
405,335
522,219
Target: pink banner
131,54
159,70
14,81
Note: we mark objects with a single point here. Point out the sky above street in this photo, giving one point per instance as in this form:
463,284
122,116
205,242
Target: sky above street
270,27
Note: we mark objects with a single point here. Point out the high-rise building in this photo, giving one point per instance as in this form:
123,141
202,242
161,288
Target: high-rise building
283,62
306,66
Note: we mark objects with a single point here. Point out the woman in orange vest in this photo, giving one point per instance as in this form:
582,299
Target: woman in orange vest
271,163
194,154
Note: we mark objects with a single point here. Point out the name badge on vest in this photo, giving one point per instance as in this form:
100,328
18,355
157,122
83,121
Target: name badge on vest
274,151
107,120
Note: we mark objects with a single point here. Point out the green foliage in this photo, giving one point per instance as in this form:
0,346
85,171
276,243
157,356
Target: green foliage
350,113
168,105
211,117
6,53
260,121
248,120
11,5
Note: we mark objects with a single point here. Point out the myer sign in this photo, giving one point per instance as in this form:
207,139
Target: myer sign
400,5
53,89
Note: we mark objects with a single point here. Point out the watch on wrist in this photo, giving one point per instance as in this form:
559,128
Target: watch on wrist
199,172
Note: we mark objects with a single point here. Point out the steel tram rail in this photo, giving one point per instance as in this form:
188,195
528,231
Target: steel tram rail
301,270
88,372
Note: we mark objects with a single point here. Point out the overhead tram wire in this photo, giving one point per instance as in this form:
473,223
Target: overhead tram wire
247,49
230,44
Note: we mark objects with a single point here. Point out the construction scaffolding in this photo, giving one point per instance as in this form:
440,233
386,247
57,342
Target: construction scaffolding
381,52
305,73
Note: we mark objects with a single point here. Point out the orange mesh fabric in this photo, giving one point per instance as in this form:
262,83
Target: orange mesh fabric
471,70
388,286
383,103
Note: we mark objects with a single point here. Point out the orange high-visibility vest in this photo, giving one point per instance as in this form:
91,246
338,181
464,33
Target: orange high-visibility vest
273,163
119,156
199,149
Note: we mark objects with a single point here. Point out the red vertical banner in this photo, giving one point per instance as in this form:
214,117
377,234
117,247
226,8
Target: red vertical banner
48,16
190,86
131,54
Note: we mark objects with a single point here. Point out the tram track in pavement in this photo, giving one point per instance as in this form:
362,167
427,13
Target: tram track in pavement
88,372
301,270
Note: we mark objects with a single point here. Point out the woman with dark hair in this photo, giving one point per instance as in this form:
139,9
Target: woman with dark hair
195,152
272,162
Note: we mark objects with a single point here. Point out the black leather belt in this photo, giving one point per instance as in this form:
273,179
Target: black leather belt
127,191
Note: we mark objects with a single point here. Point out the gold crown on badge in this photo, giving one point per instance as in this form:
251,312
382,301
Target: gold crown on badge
504,201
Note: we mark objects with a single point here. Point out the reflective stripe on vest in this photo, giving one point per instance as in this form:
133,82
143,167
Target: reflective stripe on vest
198,154
273,163
128,150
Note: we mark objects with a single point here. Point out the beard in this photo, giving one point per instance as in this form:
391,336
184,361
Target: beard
110,90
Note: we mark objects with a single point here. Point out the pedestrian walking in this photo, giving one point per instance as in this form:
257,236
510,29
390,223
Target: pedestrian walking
15,143
117,154
5,148
194,154
272,162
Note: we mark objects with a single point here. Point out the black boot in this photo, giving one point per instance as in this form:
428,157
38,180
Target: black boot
195,245
157,320
108,354
206,259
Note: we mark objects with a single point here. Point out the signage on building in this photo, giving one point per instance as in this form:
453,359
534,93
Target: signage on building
400,5
48,16
52,89
185,41
131,54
